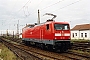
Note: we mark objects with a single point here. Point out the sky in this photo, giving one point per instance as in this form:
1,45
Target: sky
75,12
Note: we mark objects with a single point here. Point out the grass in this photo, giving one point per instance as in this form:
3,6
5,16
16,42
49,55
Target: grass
79,41
81,52
6,54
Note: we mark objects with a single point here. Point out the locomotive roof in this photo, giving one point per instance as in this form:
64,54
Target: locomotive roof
52,22
48,22
57,22
29,25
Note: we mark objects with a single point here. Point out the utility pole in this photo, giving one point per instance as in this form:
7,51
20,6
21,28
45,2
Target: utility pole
38,17
18,29
13,34
7,32
1,33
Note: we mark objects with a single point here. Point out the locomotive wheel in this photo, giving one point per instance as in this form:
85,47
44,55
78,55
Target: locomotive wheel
23,42
35,44
27,43
49,47
42,46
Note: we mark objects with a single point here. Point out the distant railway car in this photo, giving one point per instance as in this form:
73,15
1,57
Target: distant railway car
51,35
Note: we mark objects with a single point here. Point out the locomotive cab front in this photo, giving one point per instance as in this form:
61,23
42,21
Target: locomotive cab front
62,36
62,31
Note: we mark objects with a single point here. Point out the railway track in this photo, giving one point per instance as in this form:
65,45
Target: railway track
22,54
42,54
26,53
82,46
55,56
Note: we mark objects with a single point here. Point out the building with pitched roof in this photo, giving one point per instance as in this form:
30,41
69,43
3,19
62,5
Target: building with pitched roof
81,32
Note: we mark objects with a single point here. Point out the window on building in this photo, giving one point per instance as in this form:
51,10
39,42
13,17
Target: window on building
81,34
72,34
47,26
85,34
76,34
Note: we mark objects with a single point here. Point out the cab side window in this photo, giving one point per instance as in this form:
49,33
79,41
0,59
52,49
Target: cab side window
47,27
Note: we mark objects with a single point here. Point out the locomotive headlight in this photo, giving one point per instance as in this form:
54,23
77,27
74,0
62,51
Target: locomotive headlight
69,38
55,38
66,34
30,32
57,34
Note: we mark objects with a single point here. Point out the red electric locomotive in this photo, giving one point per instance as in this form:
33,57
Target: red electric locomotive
51,35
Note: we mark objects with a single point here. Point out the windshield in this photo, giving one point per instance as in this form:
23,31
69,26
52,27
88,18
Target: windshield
61,26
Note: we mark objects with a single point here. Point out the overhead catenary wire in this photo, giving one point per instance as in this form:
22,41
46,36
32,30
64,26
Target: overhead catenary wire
52,5
67,5
34,9
18,10
39,3
55,4
28,11
25,5
46,6
64,7
25,10
55,10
